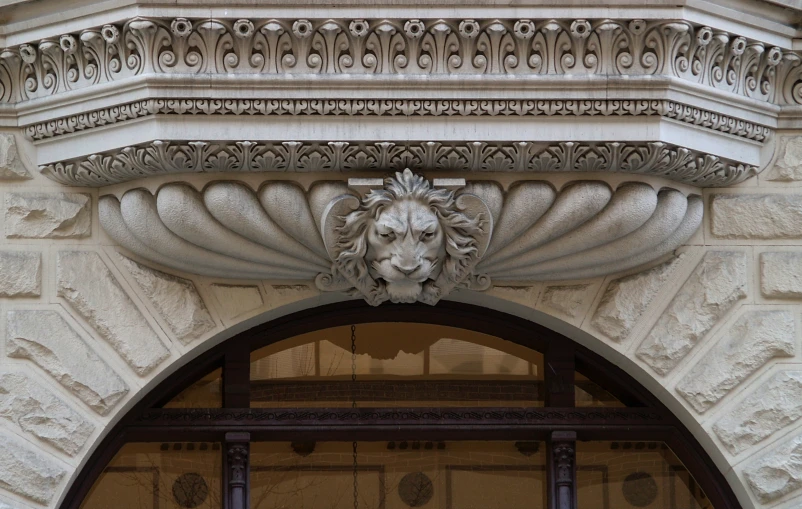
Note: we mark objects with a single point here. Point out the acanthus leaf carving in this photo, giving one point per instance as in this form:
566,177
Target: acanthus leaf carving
163,157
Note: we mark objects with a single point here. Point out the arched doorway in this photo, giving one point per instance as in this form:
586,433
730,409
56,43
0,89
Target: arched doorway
409,406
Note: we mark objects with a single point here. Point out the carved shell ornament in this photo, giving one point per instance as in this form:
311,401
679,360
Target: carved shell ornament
402,239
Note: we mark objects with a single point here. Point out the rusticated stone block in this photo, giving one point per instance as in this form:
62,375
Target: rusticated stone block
773,406
43,337
20,274
92,290
716,284
777,472
26,472
781,274
48,215
788,166
757,216
626,299
37,411
237,300
565,299
11,167
751,342
176,299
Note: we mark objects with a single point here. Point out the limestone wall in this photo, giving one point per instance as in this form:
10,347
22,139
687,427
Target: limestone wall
88,328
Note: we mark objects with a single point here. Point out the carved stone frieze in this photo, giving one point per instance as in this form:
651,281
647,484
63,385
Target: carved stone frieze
163,157
398,107
521,47
403,239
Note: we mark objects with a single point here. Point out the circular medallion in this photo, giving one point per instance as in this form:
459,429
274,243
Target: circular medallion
190,490
640,489
415,489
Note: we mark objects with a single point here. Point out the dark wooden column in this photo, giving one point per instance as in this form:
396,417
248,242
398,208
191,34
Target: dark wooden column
559,361
236,377
562,474
236,473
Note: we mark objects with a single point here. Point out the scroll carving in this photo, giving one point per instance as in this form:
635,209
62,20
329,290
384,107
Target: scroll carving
404,240
519,47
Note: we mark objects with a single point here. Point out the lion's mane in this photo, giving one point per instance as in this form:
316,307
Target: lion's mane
460,231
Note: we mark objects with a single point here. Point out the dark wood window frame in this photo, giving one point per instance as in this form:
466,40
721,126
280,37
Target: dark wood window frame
559,424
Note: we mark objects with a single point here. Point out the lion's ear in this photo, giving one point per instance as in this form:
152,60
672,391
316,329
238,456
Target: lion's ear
331,220
475,208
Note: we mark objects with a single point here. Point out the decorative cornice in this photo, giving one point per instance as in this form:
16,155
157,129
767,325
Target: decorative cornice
516,47
162,157
398,107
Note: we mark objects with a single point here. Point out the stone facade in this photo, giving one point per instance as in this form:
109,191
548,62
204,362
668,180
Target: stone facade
157,226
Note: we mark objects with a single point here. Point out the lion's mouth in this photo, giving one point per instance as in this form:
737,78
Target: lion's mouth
392,275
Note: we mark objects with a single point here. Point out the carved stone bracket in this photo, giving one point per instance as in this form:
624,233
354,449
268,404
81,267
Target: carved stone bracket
404,241
162,157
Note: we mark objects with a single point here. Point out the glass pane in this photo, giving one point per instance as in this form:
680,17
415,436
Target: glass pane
399,475
205,393
160,476
590,394
636,475
397,364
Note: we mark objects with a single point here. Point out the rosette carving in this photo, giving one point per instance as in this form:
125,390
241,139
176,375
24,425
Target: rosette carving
142,46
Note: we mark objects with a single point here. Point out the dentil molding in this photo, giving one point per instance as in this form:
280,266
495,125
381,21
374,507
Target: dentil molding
515,47
162,157
403,238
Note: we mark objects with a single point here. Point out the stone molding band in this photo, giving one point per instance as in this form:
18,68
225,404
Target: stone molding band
516,47
398,107
163,157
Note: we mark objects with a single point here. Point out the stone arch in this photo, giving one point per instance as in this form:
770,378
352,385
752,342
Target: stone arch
99,453
702,307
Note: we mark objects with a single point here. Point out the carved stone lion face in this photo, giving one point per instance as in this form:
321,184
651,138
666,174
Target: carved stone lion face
405,248
406,242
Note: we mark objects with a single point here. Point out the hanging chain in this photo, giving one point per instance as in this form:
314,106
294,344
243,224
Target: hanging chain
353,405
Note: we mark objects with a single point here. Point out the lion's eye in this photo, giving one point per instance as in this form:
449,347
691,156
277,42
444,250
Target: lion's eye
427,235
387,235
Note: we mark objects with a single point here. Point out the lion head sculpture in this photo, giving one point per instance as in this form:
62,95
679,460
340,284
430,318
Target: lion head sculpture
409,241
